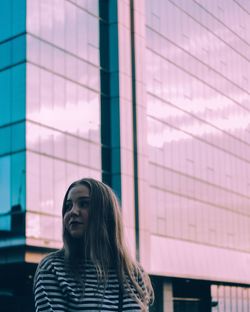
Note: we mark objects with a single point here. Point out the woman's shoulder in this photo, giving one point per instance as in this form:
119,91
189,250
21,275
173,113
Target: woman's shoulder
51,260
48,270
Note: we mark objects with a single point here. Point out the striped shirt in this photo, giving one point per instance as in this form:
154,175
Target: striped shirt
55,289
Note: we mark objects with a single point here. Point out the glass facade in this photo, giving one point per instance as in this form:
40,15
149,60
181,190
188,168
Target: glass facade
230,298
198,112
63,109
12,116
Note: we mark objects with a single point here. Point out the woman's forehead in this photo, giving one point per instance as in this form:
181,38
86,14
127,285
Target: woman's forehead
79,190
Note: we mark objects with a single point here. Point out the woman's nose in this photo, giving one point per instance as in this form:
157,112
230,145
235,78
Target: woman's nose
75,209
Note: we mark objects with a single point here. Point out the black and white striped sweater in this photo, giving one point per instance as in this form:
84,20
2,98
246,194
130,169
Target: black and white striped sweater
55,289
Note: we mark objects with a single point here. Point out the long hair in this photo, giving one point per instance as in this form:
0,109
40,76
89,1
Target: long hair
104,243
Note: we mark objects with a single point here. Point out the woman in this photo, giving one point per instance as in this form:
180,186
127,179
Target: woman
93,271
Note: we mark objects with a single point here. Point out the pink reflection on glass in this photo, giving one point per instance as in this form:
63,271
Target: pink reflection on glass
33,225
187,259
80,115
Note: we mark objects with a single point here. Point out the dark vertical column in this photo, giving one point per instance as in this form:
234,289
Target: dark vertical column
157,283
133,71
110,111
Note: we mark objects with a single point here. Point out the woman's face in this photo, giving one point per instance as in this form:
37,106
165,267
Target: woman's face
77,210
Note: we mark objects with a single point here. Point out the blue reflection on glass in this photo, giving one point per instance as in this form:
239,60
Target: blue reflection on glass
18,21
5,19
5,140
18,92
5,91
5,192
18,180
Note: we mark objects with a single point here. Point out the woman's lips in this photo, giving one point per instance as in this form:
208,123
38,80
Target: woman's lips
75,223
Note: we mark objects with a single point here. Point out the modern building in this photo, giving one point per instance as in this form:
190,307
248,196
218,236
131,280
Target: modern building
152,97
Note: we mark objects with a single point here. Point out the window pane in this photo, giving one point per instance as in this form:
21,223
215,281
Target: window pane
33,182
5,184
47,185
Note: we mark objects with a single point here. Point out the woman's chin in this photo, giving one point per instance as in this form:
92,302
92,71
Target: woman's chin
76,235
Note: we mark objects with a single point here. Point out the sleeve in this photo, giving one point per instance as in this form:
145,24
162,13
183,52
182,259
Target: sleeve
48,295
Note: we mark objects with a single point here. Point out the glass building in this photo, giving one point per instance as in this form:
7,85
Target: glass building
152,97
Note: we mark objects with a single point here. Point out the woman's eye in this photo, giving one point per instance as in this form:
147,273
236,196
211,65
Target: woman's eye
68,206
83,203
